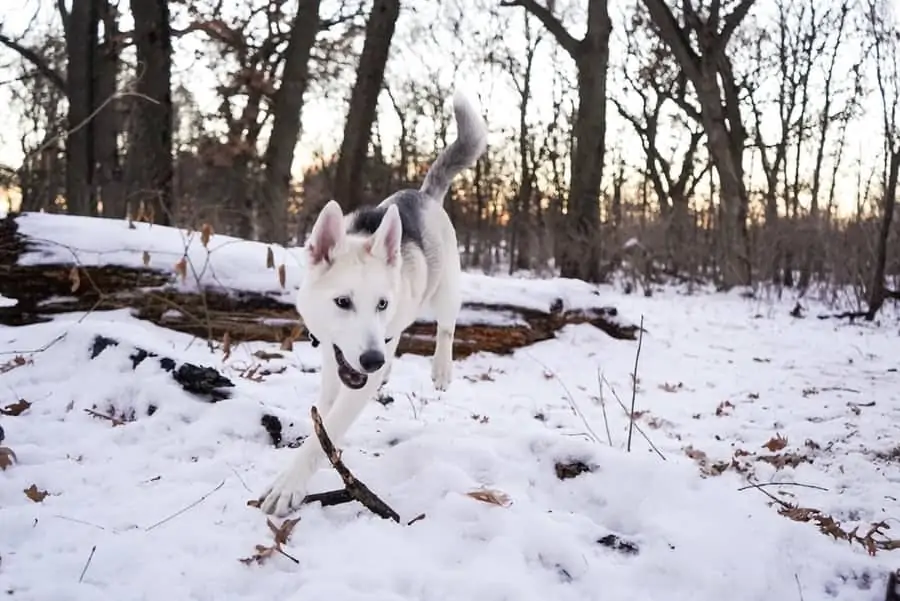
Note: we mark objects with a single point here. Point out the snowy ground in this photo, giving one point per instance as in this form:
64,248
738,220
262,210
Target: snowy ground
719,376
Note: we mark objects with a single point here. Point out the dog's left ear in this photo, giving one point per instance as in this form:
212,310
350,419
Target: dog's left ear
385,242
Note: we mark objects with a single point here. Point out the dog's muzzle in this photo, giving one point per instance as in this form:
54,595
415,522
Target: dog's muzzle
351,378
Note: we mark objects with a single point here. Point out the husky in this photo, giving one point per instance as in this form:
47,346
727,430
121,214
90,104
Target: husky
369,275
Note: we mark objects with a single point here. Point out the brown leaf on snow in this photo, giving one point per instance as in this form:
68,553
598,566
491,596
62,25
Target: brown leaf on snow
226,346
75,278
776,443
493,497
281,275
206,233
267,356
671,387
281,535
270,258
14,409
723,407
181,268
145,258
34,494
7,457
17,361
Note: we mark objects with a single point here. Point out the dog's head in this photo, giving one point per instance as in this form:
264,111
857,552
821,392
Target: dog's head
347,297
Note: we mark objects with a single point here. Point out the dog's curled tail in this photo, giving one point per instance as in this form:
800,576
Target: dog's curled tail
470,144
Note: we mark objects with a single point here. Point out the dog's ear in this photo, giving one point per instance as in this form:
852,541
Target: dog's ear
326,233
385,242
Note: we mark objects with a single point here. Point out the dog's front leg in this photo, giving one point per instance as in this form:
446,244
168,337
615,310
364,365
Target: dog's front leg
447,303
289,489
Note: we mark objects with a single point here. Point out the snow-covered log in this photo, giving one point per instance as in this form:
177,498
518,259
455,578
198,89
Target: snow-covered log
210,285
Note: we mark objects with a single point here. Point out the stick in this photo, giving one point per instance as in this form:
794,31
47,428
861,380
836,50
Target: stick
761,484
180,511
329,498
87,564
355,488
637,356
636,427
603,406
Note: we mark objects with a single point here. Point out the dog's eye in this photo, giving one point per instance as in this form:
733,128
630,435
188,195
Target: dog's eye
382,305
343,302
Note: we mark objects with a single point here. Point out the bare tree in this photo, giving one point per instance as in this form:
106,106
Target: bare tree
286,106
885,41
578,252
700,45
348,184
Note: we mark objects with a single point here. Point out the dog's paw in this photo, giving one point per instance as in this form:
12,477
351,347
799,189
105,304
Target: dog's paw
441,374
285,495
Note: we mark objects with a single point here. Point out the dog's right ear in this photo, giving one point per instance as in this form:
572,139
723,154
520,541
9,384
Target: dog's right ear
327,232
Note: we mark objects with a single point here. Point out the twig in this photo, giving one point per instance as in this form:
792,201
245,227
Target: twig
77,521
761,484
37,350
636,427
87,564
799,588
569,397
603,407
634,375
180,511
355,488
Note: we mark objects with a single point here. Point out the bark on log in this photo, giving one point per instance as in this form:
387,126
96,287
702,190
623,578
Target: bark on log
46,289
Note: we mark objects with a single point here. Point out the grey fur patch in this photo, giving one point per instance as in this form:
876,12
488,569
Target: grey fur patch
409,205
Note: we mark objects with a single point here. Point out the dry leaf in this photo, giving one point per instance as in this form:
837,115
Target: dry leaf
776,443
494,497
145,258
270,258
14,409
267,356
181,268
206,233
281,275
17,361
7,457
34,494
75,278
723,407
226,346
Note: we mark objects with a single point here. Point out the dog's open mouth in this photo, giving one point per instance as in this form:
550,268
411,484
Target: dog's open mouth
350,377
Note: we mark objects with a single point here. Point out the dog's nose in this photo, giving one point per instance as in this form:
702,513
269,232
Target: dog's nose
371,361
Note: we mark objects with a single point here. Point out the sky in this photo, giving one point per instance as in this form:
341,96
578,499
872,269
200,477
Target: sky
323,118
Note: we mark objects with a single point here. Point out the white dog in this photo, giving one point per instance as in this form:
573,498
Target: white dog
369,274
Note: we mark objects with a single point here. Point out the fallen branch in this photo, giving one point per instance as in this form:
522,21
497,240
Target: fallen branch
354,487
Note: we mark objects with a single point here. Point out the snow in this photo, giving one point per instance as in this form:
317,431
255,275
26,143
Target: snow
163,499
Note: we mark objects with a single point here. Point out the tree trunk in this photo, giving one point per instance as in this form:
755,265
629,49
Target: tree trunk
878,291
348,182
286,107
81,38
580,250
149,168
105,125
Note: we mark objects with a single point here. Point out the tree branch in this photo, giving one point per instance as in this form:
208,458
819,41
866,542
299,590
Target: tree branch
733,20
553,25
675,37
35,59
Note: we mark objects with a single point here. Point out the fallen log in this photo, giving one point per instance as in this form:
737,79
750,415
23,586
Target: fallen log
209,286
